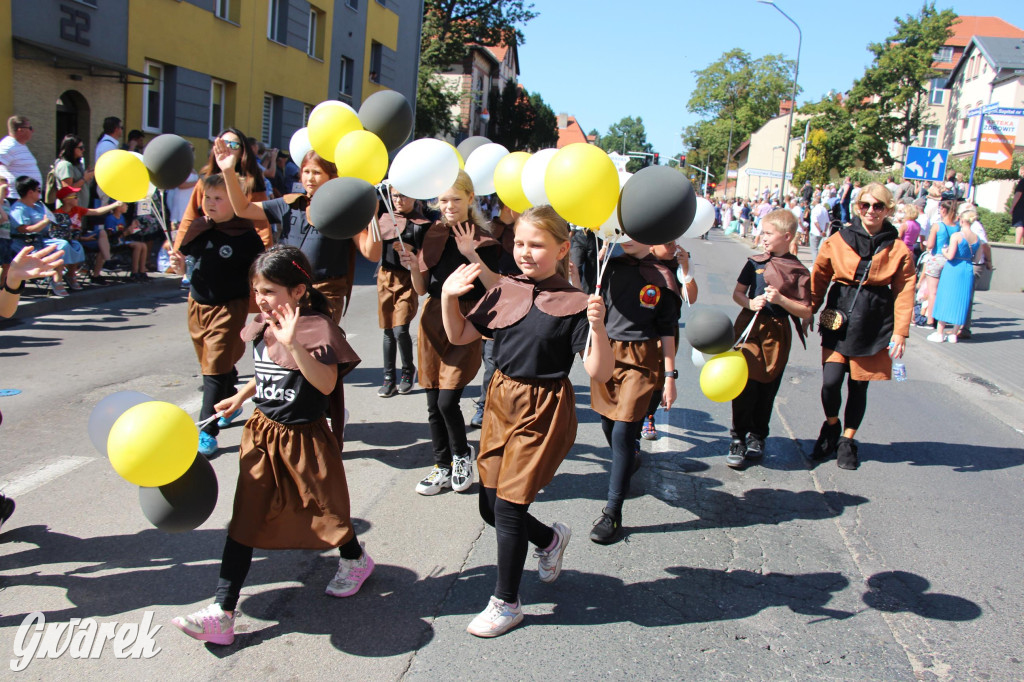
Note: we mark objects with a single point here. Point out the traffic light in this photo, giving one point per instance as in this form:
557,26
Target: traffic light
682,160
657,156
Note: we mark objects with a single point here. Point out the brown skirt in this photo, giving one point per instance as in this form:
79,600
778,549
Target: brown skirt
877,367
627,395
441,364
216,332
767,348
336,291
291,492
397,301
529,427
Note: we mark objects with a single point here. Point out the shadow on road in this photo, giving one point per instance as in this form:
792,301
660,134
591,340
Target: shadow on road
960,457
899,591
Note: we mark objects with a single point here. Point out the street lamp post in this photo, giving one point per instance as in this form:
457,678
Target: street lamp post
792,106
778,146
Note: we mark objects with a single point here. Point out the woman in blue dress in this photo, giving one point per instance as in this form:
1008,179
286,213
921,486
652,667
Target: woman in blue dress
956,281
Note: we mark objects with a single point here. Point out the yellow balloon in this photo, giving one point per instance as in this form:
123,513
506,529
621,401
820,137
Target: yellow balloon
122,175
361,154
582,184
508,181
328,123
152,443
724,376
462,161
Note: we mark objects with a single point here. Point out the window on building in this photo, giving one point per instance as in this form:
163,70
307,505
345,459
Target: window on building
354,4
153,101
376,59
930,137
315,36
347,77
307,109
276,21
936,93
227,9
216,107
945,54
266,130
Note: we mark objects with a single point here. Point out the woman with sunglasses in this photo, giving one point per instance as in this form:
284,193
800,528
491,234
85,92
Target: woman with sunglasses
333,260
865,274
69,168
245,168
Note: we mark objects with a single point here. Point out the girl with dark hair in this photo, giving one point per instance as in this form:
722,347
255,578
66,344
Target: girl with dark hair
245,168
69,168
333,260
291,491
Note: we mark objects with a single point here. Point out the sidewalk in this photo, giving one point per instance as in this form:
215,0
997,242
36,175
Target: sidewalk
992,357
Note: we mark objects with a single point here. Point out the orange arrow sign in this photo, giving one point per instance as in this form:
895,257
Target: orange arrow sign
995,151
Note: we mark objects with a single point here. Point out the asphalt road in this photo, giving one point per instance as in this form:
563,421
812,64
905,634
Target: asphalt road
906,569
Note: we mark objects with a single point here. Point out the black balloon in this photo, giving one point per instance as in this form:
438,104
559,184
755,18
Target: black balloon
657,205
387,115
343,207
169,160
709,331
470,145
184,504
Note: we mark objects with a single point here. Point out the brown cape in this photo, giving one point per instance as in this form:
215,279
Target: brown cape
390,229
511,298
437,236
505,233
326,342
791,277
233,228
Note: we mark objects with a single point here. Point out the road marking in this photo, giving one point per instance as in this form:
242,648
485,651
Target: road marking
28,480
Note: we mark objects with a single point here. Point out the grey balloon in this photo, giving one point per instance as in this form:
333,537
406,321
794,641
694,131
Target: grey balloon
657,205
169,160
343,207
387,115
470,145
709,331
184,504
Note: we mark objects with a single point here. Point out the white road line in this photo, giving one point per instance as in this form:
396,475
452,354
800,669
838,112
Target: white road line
28,480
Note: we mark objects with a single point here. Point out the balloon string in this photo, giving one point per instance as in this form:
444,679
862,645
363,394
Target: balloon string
203,423
386,196
746,332
602,265
159,215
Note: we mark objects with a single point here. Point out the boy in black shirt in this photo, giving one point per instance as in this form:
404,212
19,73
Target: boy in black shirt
224,248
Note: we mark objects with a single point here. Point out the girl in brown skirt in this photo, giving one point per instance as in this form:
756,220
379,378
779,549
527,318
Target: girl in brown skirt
644,302
458,238
538,322
397,300
291,491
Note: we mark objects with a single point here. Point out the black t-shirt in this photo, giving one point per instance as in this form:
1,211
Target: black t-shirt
1017,218
329,257
752,277
637,310
412,236
539,346
222,266
284,395
451,259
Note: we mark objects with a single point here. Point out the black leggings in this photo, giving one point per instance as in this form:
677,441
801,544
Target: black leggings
400,334
831,395
216,387
447,425
621,437
515,528
234,567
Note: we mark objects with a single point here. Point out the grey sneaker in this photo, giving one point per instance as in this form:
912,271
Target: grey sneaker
388,388
437,480
405,383
737,450
755,447
549,564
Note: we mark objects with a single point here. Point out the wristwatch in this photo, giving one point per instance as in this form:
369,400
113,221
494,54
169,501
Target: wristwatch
674,374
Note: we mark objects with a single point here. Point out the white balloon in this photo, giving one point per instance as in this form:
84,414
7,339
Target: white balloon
107,411
703,219
612,225
533,176
424,168
481,164
299,145
699,358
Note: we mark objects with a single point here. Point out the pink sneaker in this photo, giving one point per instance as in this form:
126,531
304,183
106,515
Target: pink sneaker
351,575
208,625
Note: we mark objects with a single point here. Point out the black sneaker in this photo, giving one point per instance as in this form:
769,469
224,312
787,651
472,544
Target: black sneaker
388,388
6,509
405,384
847,454
755,447
736,451
478,418
827,441
607,529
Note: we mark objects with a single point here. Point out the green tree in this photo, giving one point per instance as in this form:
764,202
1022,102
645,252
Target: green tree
450,26
814,166
434,102
736,94
544,133
521,121
628,135
889,101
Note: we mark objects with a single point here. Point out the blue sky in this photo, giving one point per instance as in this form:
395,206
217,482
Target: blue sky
601,60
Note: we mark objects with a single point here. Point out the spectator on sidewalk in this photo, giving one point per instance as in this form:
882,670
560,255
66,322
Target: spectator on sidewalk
982,262
938,237
956,281
16,159
910,230
136,141
69,168
1017,209
820,221
30,225
109,140
67,224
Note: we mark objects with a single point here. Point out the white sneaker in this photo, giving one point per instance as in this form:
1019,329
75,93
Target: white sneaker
549,563
437,480
209,624
498,618
462,471
351,575
935,337
951,338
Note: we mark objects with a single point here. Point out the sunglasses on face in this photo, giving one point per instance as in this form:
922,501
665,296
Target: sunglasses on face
233,144
865,206
25,128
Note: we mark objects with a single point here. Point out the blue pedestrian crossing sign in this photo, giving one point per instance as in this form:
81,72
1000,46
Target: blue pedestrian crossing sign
925,163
